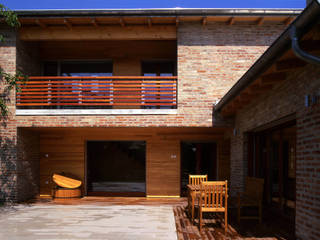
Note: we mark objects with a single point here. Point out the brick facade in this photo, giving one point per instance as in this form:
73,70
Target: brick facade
8,130
308,173
28,173
206,70
210,59
287,98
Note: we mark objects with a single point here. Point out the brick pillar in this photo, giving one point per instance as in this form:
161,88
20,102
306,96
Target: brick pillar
8,128
308,173
237,163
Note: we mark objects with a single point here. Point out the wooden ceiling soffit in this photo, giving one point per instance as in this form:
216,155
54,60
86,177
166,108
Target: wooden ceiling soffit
101,33
95,22
40,23
272,78
290,64
156,20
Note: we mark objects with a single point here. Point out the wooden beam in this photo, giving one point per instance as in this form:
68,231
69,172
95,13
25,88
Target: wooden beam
260,89
101,33
177,21
273,77
204,21
94,22
231,21
122,23
288,20
290,64
67,23
41,24
260,21
149,22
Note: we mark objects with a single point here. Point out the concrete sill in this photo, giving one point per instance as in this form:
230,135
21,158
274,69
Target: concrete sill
52,112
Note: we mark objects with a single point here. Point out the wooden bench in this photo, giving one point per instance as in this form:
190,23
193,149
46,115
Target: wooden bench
252,197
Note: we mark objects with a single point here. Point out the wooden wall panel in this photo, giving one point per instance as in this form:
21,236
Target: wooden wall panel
163,168
63,150
60,152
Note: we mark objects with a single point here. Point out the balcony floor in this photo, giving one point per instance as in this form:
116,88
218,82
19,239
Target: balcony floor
155,220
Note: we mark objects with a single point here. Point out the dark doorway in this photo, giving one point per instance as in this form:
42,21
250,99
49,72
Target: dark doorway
116,168
272,156
197,158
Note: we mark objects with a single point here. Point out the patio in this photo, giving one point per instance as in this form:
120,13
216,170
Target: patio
126,218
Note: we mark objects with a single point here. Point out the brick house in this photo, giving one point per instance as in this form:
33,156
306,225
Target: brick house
275,109
125,101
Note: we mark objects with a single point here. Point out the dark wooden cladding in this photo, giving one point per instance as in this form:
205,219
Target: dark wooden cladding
98,91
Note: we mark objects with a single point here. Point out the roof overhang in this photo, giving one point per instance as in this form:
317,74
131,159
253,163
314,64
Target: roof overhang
158,12
274,65
173,16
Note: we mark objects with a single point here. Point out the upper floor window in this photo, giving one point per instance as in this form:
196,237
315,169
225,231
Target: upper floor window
158,68
78,68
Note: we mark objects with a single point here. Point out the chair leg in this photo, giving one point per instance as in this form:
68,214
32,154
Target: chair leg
189,206
200,219
192,208
225,221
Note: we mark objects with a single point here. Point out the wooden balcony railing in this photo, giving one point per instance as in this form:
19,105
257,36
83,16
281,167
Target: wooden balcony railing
98,92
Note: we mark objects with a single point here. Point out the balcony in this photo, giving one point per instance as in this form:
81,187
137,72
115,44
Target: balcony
97,95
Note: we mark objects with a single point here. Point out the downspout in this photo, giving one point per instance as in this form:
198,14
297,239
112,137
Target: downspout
298,51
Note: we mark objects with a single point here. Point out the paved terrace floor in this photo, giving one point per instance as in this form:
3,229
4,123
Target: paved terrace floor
124,218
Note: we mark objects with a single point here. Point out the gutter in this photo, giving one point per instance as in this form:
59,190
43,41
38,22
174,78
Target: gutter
298,51
303,23
158,12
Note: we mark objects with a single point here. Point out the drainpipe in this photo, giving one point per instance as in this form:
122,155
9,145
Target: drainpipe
298,51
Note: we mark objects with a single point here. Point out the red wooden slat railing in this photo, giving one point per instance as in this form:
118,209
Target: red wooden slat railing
148,91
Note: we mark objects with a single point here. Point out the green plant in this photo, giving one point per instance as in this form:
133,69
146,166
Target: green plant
7,80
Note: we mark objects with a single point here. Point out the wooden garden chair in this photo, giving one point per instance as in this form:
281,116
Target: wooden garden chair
214,198
197,179
193,189
252,197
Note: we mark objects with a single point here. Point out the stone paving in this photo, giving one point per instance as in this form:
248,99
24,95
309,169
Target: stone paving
116,222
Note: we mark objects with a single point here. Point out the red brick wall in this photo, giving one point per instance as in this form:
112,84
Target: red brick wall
210,59
28,58
308,173
284,99
8,130
28,170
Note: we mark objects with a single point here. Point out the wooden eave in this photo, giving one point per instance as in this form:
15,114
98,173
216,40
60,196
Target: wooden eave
286,64
44,22
275,64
